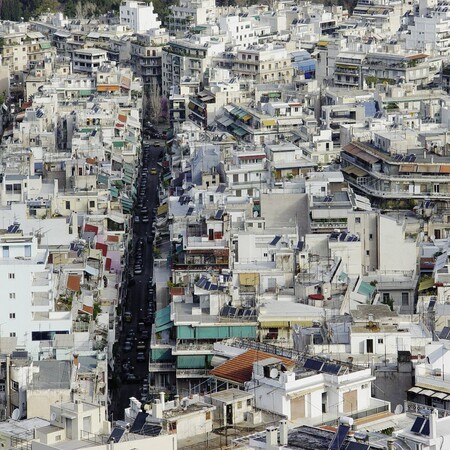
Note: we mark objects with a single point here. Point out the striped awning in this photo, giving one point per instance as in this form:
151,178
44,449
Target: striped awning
415,390
275,324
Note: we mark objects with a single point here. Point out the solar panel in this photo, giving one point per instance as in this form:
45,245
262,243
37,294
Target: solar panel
190,211
275,240
116,435
431,305
247,313
427,204
417,425
313,364
331,368
139,422
426,428
225,311
413,158
220,189
357,446
342,236
339,437
232,312
207,285
219,214
151,430
213,287
445,333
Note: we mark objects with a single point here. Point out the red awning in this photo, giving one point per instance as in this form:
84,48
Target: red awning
102,247
316,296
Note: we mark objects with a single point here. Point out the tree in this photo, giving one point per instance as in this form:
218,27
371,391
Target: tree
164,108
84,10
154,102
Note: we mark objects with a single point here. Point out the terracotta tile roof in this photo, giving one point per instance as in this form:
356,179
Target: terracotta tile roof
240,368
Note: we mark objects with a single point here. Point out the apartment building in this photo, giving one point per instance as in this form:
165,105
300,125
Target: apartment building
88,60
30,315
138,16
190,14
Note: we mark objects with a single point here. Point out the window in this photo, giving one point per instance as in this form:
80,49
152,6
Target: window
12,315
357,219
12,334
385,297
28,250
405,299
6,251
367,252
14,385
249,402
239,405
380,341
370,236
91,203
11,276
67,204
208,415
2,388
12,295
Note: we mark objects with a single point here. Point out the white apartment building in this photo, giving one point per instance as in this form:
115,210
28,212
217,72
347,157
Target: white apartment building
191,13
88,60
139,16
240,32
28,306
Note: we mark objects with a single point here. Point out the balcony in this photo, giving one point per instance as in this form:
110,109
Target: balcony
203,243
193,348
417,408
192,373
161,367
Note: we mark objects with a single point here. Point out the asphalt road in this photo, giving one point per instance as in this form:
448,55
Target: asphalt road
136,302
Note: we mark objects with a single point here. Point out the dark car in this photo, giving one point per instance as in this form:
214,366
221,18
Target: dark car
140,357
145,334
140,326
127,346
145,219
132,378
141,345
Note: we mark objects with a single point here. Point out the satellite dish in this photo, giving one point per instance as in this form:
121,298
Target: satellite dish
273,372
53,416
398,409
15,414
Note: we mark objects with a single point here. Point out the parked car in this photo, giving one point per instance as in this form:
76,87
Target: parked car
140,357
128,316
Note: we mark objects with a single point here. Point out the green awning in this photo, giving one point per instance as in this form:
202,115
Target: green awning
167,176
127,179
114,192
161,354
85,130
118,144
126,202
163,327
45,45
162,318
240,131
191,362
366,289
103,179
85,92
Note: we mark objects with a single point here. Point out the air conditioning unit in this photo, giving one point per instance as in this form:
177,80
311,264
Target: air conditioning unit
437,372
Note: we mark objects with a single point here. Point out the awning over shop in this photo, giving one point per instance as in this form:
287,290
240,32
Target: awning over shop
103,179
415,390
427,392
91,270
440,395
114,192
269,122
118,144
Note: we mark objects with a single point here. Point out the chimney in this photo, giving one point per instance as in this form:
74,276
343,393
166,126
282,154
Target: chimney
75,360
283,432
271,437
391,444
162,399
176,401
433,423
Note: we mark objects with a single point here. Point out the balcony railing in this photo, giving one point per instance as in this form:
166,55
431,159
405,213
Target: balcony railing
192,373
418,408
161,367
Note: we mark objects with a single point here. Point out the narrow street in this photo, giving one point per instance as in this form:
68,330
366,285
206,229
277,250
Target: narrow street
137,302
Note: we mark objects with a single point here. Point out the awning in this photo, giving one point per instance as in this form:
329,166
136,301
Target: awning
249,279
162,319
116,218
45,45
275,324
118,144
440,395
162,209
240,131
426,284
91,270
415,390
316,296
427,392
107,88
353,170
114,192
407,168
269,122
